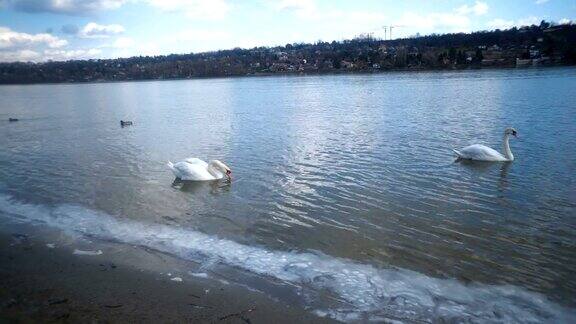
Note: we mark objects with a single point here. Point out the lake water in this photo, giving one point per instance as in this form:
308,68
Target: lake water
345,187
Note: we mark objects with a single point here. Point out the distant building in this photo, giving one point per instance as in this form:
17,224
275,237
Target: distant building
523,62
346,64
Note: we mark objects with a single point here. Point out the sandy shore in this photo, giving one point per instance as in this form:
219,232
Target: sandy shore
46,283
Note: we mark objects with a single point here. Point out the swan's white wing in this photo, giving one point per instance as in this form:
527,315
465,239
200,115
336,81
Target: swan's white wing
197,171
480,153
197,161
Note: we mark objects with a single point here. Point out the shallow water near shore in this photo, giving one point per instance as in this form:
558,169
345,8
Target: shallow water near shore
345,187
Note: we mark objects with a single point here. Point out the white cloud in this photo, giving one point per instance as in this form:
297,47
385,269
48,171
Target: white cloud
303,8
435,22
68,7
479,8
147,49
123,42
94,30
134,49
325,23
295,4
17,46
541,1
202,35
194,9
528,21
455,21
64,55
564,21
19,55
499,23
10,39
338,24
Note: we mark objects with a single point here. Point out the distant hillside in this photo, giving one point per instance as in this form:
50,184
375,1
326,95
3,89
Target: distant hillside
533,45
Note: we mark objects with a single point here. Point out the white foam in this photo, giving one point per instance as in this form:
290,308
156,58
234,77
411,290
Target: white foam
199,274
84,252
177,279
363,289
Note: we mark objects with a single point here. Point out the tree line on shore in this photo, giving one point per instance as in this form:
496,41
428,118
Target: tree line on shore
544,44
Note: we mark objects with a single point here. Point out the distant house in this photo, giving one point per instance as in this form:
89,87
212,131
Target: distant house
523,62
346,64
328,64
280,67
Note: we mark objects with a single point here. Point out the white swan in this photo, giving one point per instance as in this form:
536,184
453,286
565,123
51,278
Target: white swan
194,169
480,152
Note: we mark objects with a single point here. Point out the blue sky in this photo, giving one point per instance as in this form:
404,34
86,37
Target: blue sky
40,30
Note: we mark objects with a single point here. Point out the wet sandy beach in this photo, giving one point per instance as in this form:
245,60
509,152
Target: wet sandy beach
41,284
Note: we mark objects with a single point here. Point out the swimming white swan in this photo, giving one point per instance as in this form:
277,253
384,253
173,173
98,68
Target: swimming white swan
480,152
194,169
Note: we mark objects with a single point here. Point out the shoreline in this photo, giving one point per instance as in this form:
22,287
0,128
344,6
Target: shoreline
303,74
44,282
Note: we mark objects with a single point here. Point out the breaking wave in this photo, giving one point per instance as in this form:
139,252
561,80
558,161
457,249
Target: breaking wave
366,292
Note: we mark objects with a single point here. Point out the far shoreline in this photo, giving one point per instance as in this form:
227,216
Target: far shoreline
301,74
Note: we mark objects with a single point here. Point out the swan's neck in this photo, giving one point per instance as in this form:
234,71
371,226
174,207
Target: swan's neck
213,170
507,152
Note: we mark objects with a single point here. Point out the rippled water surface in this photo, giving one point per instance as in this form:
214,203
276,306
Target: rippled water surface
341,183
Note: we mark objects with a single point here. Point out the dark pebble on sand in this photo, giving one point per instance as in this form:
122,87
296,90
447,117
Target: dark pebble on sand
57,302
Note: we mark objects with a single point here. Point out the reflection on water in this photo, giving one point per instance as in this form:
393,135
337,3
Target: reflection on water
503,183
358,167
487,167
197,187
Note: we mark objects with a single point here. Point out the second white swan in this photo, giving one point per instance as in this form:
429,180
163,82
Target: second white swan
480,152
194,169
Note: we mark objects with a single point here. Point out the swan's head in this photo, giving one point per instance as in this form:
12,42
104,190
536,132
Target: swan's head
511,131
220,166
